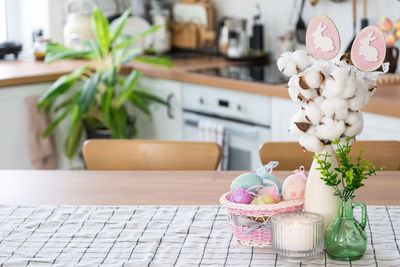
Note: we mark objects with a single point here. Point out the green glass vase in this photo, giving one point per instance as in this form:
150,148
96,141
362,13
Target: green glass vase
345,237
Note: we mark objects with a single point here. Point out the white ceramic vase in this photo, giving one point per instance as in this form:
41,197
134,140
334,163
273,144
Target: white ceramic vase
319,197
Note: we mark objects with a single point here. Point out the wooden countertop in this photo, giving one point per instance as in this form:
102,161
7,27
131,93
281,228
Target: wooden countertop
151,187
386,100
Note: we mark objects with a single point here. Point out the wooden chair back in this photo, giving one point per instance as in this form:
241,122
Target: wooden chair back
150,155
291,156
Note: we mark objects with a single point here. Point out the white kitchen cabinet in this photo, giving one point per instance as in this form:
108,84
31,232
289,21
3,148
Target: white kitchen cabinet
379,127
14,152
281,112
166,123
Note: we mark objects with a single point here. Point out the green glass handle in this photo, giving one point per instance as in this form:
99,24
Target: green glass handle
363,213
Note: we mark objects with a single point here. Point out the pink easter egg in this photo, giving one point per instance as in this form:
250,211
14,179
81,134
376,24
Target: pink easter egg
270,190
369,49
322,38
293,187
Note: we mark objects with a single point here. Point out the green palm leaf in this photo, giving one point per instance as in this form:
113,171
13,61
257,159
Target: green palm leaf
89,90
102,30
57,51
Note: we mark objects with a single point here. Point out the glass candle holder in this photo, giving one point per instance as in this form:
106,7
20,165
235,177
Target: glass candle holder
297,235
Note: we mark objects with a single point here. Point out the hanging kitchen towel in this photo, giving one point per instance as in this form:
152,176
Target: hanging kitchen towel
42,151
210,131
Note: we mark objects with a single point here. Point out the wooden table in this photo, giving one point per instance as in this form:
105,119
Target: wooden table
151,187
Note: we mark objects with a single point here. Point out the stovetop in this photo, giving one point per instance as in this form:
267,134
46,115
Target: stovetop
264,72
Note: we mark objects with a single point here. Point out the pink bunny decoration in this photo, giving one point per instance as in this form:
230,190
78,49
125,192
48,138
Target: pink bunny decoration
323,42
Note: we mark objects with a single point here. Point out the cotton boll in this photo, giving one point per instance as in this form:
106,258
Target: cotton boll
287,65
335,108
296,92
312,78
350,86
298,119
359,100
354,124
336,82
302,59
311,143
313,112
330,129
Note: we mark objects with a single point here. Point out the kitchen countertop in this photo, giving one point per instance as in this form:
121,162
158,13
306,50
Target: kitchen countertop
386,100
133,187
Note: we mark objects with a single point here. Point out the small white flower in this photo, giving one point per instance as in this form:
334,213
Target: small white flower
354,124
302,59
311,143
335,108
330,129
313,112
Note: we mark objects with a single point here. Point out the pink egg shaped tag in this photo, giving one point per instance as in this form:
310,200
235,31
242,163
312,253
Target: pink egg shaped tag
322,38
369,49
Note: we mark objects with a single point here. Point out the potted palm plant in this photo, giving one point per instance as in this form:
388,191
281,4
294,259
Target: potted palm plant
103,100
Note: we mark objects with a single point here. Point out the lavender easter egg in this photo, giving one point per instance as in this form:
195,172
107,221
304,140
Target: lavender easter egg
246,181
240,195
293,187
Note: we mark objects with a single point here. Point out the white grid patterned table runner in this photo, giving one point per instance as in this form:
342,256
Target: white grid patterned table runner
158,236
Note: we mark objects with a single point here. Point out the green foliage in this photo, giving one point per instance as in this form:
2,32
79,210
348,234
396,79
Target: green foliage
348,176
104,96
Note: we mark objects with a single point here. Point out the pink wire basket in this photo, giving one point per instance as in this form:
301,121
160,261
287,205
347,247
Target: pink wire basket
250,224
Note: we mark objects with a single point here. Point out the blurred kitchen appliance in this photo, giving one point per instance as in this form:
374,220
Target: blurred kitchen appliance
193,24
162,37
264,72
246,120
257,38
8,47
78,27
238,42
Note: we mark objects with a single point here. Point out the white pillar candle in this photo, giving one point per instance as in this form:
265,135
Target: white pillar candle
297,234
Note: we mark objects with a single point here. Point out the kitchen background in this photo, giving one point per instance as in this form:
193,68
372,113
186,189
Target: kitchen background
250,113
278,16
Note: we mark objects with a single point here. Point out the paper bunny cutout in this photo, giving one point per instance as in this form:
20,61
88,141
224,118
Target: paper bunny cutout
323,42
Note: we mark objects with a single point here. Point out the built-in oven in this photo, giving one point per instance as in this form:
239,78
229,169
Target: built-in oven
246,120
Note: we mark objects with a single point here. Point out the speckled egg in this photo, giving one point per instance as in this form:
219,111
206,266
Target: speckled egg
294,187
270,189
262,200
246,181
272,178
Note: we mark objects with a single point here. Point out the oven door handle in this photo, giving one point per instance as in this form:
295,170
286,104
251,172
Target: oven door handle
248,133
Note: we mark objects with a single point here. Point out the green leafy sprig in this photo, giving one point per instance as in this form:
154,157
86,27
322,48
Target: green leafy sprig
348,176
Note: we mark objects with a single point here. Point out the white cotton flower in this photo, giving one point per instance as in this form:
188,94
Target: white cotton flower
302,59
312,78
287,64
354,124
335,108
350,86
296,93
298,119
336,82
311,143
292,63
313,112
330,129
359,100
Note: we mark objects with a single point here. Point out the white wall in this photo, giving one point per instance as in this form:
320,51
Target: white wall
281,16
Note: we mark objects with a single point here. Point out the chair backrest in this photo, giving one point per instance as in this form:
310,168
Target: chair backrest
290,154
150,155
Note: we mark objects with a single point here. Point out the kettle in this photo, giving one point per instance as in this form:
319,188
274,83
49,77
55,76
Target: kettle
78,27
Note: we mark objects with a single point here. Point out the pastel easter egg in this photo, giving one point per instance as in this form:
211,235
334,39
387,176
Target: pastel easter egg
385,24
246,181
240,195
272,178
293,187
270,190
368,49
390,39
263,200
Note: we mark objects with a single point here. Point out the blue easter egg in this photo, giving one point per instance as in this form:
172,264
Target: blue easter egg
272,178
246,181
